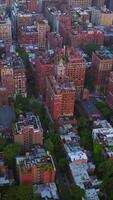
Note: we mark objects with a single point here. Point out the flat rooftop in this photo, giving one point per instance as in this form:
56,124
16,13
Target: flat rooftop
104,54
37,157
29,121
90,107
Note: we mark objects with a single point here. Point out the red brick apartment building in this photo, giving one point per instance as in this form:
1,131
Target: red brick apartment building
109,96
44,67
35,168
6,31
73,67
28,132
32,5
13,76
60,98
102,63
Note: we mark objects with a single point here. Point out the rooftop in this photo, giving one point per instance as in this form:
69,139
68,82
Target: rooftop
91,194
104,54
47,191
29,121
37,157
59,87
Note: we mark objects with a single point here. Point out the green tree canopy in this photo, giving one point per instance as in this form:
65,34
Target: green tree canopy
49,145
86,138
77,193
83,123
19,193
10,153
97,153
3,144
62,164
90,48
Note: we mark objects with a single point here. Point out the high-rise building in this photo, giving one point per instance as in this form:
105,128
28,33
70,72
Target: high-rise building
32,5
71,65
6,31
36,167
42,28
43,68
102,62
7,79
60,97
28,132
13,76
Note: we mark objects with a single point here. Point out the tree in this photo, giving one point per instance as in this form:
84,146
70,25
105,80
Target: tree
19,193
83,123
49,145
77,193
105,170
10,153
62,164
90,48
3,144
86,138
97,153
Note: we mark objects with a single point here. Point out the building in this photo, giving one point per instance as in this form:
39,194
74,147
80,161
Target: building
55,40
32,5
5,31
85,37
102,17
42,28
46,191
28,131
7,79
80,3
102,62
36,167
13,75
19,76
3,96
44,67
91,194
28,35
98,3
60,98
90,110
70,65
6,175
109,96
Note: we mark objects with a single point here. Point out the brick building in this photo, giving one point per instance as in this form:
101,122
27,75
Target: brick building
35,167
80,3
55,40
42,28
102,62
28,35
3,96
109,95
83,38
32,5
28,132
60,98
73,67
5,31
7,79
43,68
13,76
